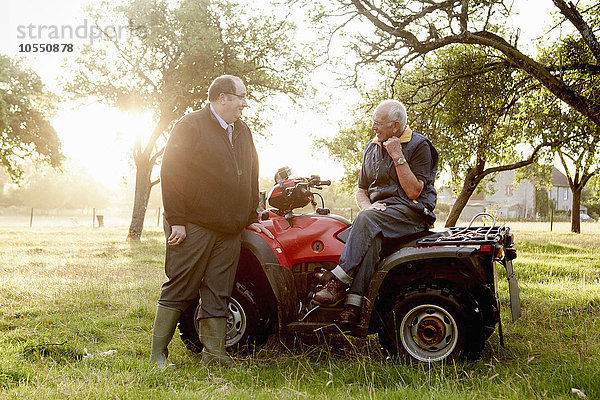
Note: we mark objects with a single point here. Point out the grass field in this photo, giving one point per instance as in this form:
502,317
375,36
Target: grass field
68,295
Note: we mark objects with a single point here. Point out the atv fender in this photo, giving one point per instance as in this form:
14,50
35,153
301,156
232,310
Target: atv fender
402,259
280,278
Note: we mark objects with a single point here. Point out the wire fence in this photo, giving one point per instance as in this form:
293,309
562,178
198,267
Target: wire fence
121,217
87,217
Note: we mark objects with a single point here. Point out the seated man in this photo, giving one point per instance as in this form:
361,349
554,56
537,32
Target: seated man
396,197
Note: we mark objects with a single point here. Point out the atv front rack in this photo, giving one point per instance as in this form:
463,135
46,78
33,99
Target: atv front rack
469,235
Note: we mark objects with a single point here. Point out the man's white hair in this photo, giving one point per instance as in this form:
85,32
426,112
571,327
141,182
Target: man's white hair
396,111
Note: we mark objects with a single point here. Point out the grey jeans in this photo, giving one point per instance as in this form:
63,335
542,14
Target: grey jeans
204,265
361,252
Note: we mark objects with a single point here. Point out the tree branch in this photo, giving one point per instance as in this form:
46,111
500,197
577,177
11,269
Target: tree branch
125,57
156,155
558,87
522,163
570,11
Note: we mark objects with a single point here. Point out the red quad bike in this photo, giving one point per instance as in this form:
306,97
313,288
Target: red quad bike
433,295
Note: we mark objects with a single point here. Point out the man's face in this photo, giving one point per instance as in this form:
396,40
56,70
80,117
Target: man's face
233,103
383,127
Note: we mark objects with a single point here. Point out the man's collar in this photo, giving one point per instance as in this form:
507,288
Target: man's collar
221,120
404,137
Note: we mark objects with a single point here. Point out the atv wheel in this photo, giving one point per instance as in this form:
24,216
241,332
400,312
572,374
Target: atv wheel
431,325
244,327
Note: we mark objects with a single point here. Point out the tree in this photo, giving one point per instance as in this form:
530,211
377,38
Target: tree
173,53
470,104
407,30
25,131
580,160
579,157
590,197
347,147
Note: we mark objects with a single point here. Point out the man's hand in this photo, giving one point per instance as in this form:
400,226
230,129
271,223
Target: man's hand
364,203
394,148
177,235
258,227
377,206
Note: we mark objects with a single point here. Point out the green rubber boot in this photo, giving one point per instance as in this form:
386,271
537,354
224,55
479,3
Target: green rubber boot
164,327
212,333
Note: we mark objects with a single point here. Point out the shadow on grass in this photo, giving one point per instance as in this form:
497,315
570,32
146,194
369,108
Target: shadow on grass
56,352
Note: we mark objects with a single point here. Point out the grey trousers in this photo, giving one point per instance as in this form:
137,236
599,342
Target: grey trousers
204,264
361,252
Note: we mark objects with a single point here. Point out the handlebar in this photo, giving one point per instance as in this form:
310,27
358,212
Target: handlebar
315,181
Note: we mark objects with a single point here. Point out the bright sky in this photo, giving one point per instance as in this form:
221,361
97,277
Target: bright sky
99,139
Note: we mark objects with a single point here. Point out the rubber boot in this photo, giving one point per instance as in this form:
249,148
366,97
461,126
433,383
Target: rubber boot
164,327
212,333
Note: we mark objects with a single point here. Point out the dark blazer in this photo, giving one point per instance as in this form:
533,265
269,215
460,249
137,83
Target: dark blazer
207,181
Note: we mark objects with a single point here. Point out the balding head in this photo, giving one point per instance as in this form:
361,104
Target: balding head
394,110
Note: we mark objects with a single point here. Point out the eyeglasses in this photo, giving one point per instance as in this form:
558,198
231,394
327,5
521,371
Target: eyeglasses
239,96
377,123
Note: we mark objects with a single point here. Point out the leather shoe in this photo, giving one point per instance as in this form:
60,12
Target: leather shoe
333,292
349,315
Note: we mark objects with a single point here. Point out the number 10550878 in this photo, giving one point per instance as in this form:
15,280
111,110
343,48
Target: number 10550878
46,48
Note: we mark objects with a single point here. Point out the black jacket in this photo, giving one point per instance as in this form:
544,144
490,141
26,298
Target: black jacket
206,181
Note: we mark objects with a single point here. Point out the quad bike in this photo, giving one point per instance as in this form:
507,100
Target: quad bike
434,295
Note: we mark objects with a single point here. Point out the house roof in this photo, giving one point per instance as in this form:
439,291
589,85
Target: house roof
558,178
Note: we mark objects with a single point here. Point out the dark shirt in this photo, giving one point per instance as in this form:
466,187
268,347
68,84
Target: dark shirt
379,178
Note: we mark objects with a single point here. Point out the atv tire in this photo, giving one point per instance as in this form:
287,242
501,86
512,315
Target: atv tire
431,324
244,329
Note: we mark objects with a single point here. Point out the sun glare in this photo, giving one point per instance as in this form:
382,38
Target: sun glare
100,139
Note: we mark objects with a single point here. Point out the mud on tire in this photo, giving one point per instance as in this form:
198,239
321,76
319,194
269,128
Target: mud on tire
432,323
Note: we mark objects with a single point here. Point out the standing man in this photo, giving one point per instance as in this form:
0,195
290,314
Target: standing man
396,197
209,179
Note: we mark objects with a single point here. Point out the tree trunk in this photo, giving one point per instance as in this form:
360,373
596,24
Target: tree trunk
140,202
470,184
144,163
575,204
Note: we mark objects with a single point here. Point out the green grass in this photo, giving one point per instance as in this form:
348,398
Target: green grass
69,292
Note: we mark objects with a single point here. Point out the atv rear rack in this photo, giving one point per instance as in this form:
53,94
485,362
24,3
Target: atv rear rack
469,235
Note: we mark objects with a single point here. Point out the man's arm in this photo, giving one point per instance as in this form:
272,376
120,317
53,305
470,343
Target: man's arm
253,223
364,203
253,214
409,182
173,176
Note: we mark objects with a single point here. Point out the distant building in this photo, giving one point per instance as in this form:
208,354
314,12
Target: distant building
512,200
561,191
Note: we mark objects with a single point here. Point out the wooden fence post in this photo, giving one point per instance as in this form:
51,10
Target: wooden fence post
93,217
31,218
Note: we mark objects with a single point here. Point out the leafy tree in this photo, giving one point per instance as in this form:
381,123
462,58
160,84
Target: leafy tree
579,157
25,131
173,52
470,104
406,30
542,202
590,197
347,147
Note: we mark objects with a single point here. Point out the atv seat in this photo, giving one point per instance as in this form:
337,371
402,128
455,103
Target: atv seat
390,245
